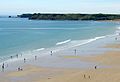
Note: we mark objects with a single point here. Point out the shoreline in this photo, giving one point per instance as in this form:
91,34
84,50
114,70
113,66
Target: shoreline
86,62
77,48
36,73
25,50
31,54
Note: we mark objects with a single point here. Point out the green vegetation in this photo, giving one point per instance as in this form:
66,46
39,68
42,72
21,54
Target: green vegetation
38,16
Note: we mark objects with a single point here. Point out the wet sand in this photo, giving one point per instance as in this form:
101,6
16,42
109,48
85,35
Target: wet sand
33,73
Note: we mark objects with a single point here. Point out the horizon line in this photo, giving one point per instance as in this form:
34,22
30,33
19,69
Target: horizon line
55,13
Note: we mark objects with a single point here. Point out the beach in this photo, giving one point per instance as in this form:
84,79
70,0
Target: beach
63,51
60,41
100,67
34,73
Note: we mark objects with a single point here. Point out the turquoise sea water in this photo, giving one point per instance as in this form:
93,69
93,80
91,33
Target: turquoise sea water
18,35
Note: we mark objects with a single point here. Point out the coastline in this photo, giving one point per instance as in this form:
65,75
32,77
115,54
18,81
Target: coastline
27,46
72,62
107,69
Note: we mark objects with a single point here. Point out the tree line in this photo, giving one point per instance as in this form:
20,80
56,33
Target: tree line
39,16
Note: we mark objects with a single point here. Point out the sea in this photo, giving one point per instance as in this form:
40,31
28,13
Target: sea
20,35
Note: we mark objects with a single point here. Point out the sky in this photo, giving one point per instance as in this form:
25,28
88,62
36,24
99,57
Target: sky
14,7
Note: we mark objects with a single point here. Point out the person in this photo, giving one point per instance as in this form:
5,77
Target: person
17,55
24,60
95,67
35,57
51,53
11,57
84,76
116,38
18,68
75,51
3,67
89,77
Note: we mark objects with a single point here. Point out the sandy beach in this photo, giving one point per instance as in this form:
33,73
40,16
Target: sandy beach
60,41
107,69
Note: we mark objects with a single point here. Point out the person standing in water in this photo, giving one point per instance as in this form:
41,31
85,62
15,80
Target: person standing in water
17,55
11,57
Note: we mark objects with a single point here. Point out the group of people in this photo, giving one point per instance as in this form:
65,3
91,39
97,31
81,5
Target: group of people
88,76
17,55
20,69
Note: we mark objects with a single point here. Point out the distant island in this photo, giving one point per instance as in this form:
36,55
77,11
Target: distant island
95,17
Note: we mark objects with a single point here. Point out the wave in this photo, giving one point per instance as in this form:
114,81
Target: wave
63,42
46,51
39,49
83,42
76,43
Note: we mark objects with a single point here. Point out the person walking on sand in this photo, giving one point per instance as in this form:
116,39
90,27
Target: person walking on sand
18,68
24,60
51,53
84,76
75,51
3,67
95,67
89,76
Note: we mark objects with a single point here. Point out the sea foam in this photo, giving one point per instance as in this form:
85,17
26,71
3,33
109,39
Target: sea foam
75,43
63,42
39,49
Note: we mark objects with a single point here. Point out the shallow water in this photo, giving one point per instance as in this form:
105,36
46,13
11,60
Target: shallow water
21,35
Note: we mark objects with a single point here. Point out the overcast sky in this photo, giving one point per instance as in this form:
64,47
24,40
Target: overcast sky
13,7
